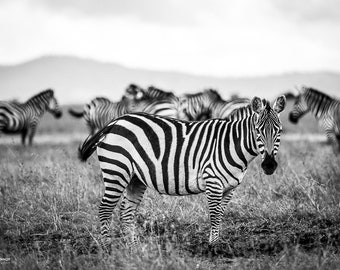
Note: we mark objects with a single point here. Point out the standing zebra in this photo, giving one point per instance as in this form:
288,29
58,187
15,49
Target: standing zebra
208,104
324,108
155,101
177,157
23,118
99,112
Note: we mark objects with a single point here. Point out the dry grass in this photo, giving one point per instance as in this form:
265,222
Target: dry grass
49,204
290,220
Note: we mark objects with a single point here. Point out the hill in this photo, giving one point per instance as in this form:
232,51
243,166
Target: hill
77,80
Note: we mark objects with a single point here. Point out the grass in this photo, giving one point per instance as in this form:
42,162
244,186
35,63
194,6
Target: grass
49,204
49,212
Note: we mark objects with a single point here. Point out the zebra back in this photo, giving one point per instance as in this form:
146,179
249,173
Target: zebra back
208,104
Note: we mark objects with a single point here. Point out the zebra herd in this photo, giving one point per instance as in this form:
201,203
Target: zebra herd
175,145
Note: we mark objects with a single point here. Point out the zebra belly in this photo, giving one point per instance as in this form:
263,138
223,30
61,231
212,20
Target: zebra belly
171,180
164,174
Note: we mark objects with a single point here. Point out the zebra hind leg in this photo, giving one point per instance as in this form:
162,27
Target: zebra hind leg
214,193
113,191
132,198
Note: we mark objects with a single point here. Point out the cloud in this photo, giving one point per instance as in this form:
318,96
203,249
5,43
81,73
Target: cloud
309,10
174,12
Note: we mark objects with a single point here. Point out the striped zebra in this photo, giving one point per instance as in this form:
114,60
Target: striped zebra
24,118
208,104
155,101
324,108
99,111
177,157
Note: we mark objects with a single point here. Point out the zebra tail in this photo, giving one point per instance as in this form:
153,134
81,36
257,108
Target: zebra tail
90,144
75,113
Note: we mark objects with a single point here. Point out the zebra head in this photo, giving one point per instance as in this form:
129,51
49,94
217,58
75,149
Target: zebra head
134,92
268,129
299,109
53,107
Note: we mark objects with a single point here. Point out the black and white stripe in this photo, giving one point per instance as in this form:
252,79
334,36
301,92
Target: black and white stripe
154,101
23,118
324,108
177,157
99,111
208,104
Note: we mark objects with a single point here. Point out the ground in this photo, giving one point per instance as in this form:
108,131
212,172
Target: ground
49,211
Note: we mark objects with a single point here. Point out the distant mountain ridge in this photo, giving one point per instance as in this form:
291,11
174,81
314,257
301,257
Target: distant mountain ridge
76,80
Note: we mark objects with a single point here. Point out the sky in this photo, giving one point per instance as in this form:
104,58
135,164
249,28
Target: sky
215,38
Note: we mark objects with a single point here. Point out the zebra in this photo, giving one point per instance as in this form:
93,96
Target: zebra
16,117
100,111
208,104
324,108
154,101
177,157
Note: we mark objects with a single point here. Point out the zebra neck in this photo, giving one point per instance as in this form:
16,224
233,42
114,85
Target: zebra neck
318,104
38,105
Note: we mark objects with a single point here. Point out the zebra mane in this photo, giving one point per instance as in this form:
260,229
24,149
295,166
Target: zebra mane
102,99
156,93
46,93
316,94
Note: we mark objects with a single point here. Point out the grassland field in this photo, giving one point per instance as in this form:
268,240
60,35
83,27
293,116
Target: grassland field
49,211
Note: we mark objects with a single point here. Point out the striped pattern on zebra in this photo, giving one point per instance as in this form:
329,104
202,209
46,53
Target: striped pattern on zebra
24,118
154,101
99,112
208,104
324,108
177,157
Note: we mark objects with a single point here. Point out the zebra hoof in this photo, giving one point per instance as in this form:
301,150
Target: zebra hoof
212,251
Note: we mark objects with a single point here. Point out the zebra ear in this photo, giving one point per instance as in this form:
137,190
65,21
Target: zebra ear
279,104
257,105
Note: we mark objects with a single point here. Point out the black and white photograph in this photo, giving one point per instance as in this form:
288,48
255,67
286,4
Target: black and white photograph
145,134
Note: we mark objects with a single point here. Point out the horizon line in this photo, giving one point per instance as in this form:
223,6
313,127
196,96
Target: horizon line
25,62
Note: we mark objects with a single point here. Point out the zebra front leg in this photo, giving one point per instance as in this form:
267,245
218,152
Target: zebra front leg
214,193
132,198
23,136
31,133
333,138
227,195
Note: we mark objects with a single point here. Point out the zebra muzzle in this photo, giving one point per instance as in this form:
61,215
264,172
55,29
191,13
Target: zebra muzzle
269,164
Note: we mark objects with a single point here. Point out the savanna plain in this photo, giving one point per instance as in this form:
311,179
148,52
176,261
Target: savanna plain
49,210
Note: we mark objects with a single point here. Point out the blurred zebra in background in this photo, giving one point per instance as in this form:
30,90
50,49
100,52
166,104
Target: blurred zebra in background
154,101
177,157
99,111
24,118
324,108
208,104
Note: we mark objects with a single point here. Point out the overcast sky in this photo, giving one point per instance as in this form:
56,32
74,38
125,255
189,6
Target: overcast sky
215,37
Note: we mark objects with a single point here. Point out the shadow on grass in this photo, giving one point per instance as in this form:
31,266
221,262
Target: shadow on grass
242,237
246,238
